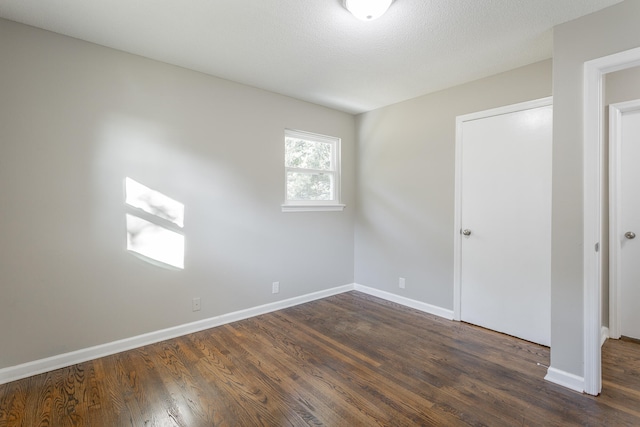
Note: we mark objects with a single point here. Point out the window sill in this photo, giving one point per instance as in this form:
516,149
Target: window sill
312,208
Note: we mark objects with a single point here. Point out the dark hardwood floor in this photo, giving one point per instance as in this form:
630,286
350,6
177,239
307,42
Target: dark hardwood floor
347,360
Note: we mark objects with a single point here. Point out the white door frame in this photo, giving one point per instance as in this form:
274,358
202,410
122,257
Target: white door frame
593,146
457,222
615,209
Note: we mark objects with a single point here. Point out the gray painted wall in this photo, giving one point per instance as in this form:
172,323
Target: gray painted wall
622,86
75,119
405,182
603,33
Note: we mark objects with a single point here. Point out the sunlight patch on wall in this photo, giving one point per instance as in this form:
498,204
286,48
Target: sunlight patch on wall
154,202
154,225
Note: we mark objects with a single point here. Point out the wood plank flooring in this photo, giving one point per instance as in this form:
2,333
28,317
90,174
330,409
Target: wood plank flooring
347,360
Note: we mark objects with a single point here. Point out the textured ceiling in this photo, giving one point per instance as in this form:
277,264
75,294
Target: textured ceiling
314,49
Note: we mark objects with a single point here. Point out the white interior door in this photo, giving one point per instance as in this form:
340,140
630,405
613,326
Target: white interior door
505,220
625,218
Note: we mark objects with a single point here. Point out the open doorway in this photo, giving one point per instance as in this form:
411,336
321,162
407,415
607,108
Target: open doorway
620,295
594,205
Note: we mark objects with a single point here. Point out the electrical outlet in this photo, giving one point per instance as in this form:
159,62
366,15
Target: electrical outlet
195,304
401,283
275,287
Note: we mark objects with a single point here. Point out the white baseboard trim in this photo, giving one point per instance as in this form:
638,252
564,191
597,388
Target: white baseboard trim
418,305
13,373
604,335
565,379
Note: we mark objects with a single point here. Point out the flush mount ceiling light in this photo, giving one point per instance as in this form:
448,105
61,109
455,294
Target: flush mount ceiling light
367,10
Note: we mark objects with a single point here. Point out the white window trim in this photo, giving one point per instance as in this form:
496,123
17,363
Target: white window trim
316,205
313,208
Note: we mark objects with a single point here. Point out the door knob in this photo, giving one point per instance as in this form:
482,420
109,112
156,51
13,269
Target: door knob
630,235
467,232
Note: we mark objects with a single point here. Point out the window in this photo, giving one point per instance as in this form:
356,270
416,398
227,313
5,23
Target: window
312,169
154,225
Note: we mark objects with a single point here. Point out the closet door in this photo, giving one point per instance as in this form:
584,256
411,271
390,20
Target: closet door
505,221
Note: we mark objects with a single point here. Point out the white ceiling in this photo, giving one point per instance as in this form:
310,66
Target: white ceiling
315,50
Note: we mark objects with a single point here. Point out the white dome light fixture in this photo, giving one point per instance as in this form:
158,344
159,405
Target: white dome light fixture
367,10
